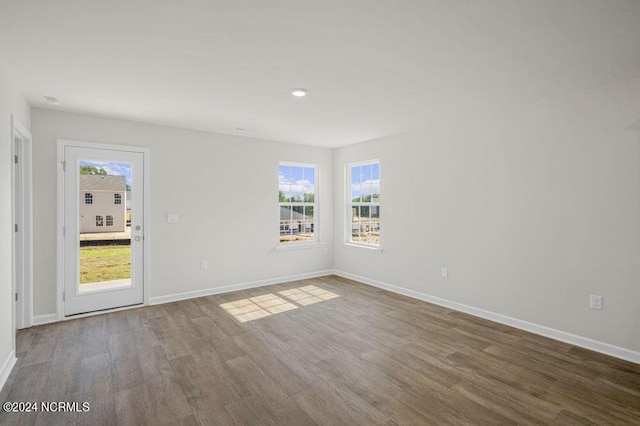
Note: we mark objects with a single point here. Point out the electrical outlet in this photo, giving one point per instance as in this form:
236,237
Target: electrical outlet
445,272
204,265
596,302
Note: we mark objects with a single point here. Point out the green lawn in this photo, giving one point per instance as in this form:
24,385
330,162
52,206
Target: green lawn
104,263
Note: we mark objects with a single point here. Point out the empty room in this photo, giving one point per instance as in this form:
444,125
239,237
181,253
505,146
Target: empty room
357,212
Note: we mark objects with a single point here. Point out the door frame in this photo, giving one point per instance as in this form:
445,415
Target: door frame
62,144
22,214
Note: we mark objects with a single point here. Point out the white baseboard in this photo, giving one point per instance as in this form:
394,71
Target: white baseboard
235,287
573,339
6,368
45,319
49,318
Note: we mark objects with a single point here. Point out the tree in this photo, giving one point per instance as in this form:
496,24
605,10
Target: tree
366,198
306,198
92,170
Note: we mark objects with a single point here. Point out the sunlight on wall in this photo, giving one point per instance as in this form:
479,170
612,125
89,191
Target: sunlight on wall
262,306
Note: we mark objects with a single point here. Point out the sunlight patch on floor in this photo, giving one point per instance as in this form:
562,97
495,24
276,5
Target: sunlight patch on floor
308,295
257,307
262,306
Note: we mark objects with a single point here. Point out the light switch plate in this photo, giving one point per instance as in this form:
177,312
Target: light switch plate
172,218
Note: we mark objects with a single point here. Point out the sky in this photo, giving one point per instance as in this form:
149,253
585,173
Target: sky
365,180
296,180
112,168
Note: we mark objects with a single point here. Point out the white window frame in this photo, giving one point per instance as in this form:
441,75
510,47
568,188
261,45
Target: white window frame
349,205
108,218
99,220
117,199
315,204
88,196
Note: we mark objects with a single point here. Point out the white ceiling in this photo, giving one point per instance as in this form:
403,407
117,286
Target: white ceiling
373,67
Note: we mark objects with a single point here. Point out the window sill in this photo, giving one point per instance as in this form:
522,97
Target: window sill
299,246
378,250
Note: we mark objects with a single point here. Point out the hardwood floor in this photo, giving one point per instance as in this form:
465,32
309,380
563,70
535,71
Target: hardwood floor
364,356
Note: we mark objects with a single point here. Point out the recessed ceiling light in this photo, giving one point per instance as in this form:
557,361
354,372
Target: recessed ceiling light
299,92
52,100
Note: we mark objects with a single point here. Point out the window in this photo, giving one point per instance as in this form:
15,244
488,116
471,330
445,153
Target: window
88,198
363,206
109,220
99,221
297,196
117,198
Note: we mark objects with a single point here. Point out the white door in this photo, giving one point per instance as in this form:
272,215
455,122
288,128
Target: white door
103,229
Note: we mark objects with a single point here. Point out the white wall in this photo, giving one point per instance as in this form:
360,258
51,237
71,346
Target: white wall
11,103
224,189
532,210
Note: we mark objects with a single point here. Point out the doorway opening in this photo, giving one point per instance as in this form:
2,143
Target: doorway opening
103,205
22,226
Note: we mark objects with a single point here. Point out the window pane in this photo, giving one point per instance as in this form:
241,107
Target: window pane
355,193
296,182
355,229
308,184
309,212
283,172
365,230
296,173
375,224
356,224
375,172
296,224
284,186
375,183
289,193
355,184
366,173
285,223
355,174
367,192
309,224
375,212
